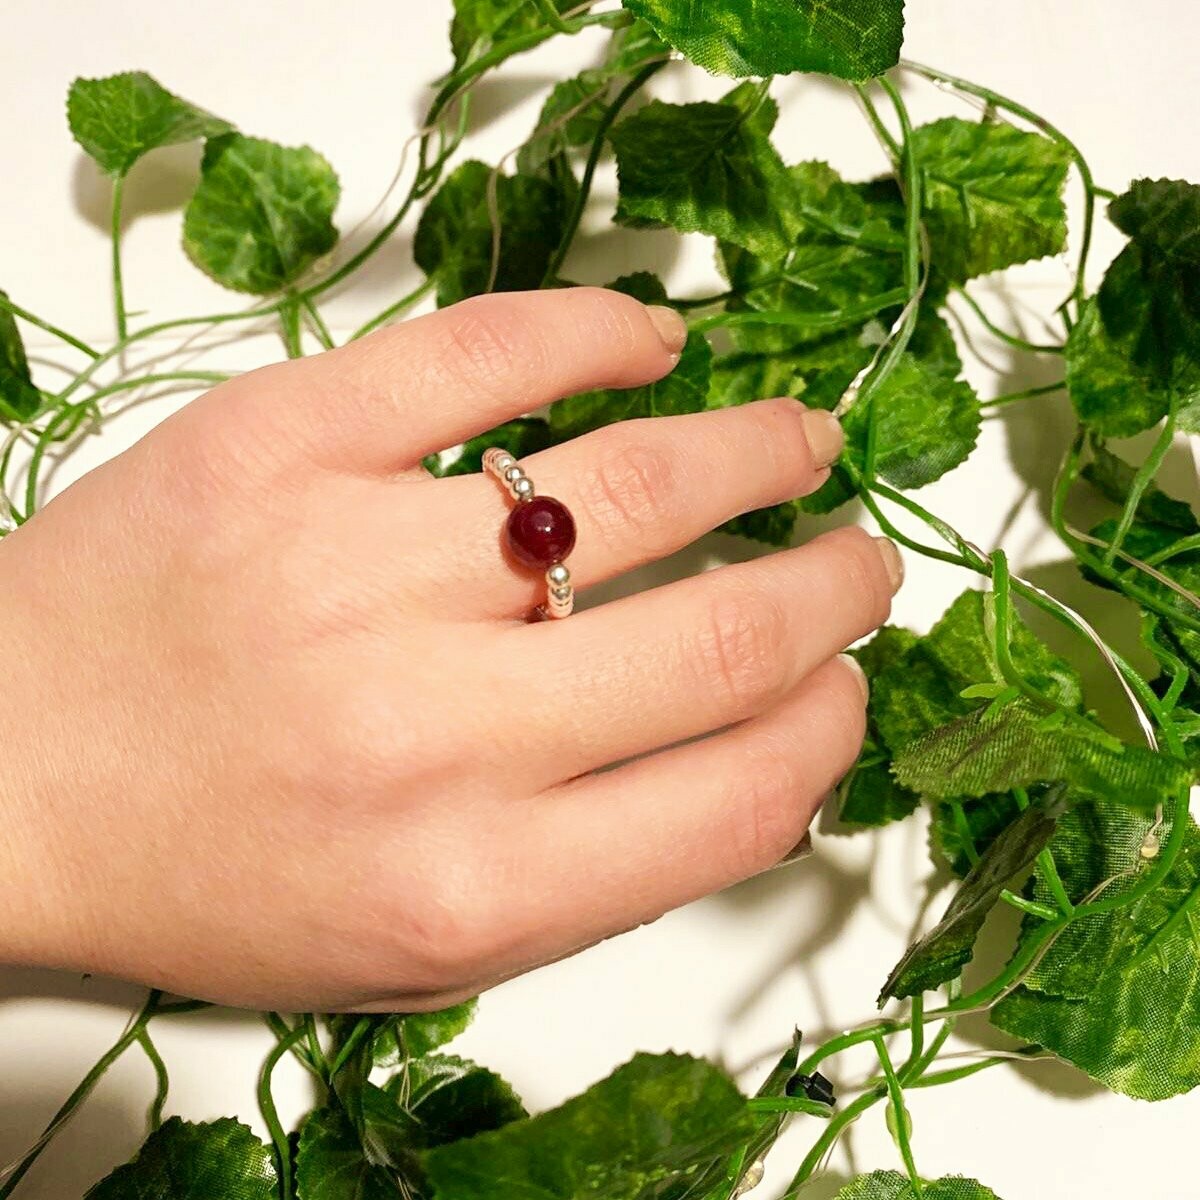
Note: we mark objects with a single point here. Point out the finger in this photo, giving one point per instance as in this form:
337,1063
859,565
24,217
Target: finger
383,403
611,851
638,490
691,657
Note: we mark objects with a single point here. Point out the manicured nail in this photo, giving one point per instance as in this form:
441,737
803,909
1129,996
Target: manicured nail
859,673
891,560
803,849
672,328
825,436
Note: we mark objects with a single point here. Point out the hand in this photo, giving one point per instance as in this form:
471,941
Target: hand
292,744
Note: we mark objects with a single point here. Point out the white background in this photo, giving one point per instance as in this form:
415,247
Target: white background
730,976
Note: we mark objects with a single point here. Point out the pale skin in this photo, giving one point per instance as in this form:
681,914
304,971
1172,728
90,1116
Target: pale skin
295,745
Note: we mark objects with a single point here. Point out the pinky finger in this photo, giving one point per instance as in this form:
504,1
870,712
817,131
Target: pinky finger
611,851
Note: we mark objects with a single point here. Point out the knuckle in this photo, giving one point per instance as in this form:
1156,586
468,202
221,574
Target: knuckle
771,818
490,344
740,648
632,488
448,929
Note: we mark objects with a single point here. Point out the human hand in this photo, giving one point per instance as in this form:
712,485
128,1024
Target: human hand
296,746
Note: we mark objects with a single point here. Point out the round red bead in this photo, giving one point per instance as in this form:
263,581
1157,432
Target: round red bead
540,531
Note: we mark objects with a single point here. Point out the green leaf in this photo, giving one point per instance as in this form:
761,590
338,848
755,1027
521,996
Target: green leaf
942,953
993,195
331,1163
869,795
641,1134
706,168
262,215
19,396
418,1034
923,690
891,1185
1113,478
480,24
522,436
1137,1028
182,1161
1016,747
456,239
453,1098
855,39
118,119
684,390
967,824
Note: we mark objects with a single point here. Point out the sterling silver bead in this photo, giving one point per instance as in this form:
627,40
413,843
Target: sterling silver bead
501,461
522,488
558,575
512,473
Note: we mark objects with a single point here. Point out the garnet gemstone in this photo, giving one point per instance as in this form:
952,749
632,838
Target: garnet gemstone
540,532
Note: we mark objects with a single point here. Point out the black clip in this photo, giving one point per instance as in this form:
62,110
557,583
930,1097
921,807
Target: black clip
815,1087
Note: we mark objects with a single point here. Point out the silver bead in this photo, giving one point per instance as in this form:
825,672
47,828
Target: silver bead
522,488
558,575
561,593
512,473
501,461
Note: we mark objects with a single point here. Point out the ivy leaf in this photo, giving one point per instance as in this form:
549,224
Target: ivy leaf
331,1163
891,1185
1137,1030
923,690
684,390
943,952
452,1098
522,436
418,1034
869,795
19,396
479,24
855,39
640,1134
122,117
706,168
183,1161
456,237
1016,747
1113,478
262,214
993,198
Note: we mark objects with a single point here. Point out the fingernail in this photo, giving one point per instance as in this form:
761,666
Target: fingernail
671,327
859,673
891,560
825,436
803,849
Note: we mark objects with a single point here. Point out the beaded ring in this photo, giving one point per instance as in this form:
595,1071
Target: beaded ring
539,533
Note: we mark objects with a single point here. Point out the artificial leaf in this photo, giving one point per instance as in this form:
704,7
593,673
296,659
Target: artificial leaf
773,526
855,39
869,795
641,1134
484,231
183,1161
923,690
262,214
421,1033
942,953
122,117
522,436
706,168
891,1185
331,1163
1113,477
964,827
1137,1030
19,396
479,24
1014,747
452,1098
993,195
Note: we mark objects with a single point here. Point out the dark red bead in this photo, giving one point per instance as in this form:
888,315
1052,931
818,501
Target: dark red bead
540,531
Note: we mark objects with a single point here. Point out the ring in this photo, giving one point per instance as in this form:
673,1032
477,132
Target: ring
539,532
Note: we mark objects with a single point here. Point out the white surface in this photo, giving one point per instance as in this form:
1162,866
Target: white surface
726,977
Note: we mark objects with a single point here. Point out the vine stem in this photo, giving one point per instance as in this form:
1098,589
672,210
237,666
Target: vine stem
1010,339
40,323
1141,481
118,287
270,1115
899,1113
162,1078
